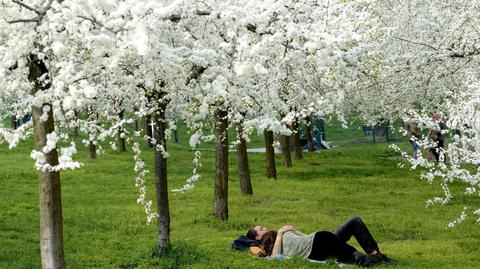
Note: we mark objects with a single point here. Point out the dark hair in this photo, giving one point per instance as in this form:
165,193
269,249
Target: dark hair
252,233
268,241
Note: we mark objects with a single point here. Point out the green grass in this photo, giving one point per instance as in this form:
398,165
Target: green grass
105,228
334,131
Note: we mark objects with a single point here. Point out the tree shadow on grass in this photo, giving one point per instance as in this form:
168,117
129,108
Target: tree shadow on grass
179,255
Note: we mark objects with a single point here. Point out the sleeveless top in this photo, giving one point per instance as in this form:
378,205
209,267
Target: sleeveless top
297,244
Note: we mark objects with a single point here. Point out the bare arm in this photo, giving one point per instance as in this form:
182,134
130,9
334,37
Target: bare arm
277,247
298,232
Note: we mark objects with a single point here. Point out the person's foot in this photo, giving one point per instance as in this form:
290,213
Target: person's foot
371,260
380,258
364,260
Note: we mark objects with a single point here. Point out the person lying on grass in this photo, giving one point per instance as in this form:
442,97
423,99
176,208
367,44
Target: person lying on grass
288,241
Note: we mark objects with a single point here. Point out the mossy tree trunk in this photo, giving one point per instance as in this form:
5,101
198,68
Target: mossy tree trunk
296,139
270,155
242,161
13,121
51,220
286,150
308,134
220,207
92,147
135,125
75,128
92,150
121,135
148,130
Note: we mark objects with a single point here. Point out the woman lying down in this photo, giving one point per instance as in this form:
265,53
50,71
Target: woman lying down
288,241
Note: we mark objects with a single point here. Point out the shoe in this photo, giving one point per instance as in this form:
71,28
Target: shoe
379,258
360,259
366,261
388,260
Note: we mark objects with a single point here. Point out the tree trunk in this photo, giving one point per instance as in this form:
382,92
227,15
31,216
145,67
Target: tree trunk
75,128
297,144
148,130
135,124
308,131
175,135
92,150
286,150
121,140
51,220
75,131
270,154
13,120
242,160
161,186
221,165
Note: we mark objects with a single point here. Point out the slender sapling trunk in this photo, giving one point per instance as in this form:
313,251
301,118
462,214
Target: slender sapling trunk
13,121
92,150
286,150
308,132
221,165
296,140
121,135
161,186
270,155
242,161
75,128
135,124
148,130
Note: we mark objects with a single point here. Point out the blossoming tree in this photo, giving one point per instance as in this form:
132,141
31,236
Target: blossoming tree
422,61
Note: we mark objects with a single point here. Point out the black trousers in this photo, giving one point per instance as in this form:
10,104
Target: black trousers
436,150
328,244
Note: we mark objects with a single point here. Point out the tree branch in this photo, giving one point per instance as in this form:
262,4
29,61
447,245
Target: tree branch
49,5
464,54
451,55
96,22
36,20
178,17
40,12
203,12
27,7
174,18
416,43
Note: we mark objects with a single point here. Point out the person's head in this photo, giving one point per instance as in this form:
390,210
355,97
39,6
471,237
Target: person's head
257,232
265,237
268,241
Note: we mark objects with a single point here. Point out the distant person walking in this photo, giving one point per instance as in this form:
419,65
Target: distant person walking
413,134
437,138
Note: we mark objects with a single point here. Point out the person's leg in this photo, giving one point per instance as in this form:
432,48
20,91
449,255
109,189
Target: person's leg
441,150
430,154
416,147
327,244
355,227
412,143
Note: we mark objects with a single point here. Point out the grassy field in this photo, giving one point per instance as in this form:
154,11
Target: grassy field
105,228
